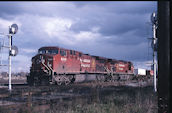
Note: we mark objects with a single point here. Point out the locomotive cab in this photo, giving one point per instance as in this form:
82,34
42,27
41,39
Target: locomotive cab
42,66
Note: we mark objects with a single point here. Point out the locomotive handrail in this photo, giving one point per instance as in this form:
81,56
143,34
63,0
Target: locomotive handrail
109,71
49,68
45,65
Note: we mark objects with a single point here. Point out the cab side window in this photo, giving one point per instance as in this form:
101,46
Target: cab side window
54,51
80,54
62,52
129,66
71,52
74,53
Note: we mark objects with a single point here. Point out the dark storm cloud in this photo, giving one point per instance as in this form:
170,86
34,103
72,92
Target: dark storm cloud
118,29
131,7
118,18
131,37
10,9
119,25
126,7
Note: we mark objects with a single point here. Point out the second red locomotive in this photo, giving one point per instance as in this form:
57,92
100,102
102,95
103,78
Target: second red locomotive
55,65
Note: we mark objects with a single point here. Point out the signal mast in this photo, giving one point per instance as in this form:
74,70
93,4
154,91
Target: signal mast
13,50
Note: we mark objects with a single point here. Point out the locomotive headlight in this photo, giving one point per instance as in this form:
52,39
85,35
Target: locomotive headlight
38,61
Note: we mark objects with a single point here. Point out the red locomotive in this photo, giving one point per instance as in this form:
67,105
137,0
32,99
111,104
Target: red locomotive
55,65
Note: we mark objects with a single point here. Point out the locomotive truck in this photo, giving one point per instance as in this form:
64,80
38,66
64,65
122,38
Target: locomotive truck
56,65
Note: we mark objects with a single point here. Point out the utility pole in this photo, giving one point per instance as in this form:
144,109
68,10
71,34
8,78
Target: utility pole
164,57
154,47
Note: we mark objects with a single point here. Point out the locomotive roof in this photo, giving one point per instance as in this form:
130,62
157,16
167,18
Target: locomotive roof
99,57
104,58
55,47
123,61
49,47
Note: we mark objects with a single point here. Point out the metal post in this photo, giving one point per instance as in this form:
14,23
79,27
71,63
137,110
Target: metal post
9,69
154,56
164,57
12,30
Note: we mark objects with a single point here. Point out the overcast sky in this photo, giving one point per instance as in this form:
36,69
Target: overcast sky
117,30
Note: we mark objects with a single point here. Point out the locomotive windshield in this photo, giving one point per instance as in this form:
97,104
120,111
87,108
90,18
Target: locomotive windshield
42,51
48,51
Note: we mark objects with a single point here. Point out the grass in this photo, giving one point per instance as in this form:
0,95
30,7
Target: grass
128,100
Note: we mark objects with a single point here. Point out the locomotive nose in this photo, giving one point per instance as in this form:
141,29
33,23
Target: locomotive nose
37,59
43,62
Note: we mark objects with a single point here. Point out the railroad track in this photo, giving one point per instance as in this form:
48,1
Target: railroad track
24,89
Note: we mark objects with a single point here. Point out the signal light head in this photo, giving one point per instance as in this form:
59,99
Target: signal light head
154,18
13,29
14,51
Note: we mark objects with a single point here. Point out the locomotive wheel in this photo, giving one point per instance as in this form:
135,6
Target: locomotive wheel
59,83
67,82
108,78
73,79
58,80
